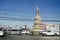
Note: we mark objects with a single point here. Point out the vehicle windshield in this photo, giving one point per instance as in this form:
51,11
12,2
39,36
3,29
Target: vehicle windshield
14,30
47,31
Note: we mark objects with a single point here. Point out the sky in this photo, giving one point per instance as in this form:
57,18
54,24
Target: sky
22,12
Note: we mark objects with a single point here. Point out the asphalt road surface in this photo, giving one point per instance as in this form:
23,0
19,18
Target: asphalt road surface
29,37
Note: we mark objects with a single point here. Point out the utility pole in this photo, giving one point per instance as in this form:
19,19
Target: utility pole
59,29
26,28
10,29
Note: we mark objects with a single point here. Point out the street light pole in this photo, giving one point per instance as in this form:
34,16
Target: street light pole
59,29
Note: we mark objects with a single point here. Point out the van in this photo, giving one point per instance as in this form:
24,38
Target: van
15,31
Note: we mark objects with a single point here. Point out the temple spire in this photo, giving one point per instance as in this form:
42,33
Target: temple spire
37,21
37,12
36,7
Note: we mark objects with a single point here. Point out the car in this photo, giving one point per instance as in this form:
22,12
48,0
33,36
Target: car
27,32
24,31
45,33
15,31
2,32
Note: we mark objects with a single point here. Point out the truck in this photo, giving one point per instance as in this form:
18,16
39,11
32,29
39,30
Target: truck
55,33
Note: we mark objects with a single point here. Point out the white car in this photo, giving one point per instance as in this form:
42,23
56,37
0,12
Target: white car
2,33
15,31
25,32
50,33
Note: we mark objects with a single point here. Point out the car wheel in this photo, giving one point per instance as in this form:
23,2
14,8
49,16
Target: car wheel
55,34
45,34
19,34
42,34
3,35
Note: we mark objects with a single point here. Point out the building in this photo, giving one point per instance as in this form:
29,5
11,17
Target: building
37,22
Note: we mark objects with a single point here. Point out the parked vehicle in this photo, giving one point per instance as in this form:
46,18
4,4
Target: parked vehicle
50,33
26,32
2,32
23,31
15,31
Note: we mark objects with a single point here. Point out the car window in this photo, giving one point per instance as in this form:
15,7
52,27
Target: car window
14,30
49,31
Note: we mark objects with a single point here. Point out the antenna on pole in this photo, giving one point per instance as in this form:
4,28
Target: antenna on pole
37,7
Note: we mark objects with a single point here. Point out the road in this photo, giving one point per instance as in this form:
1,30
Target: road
28,37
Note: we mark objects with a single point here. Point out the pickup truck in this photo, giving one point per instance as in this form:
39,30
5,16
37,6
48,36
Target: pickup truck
45,33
